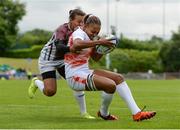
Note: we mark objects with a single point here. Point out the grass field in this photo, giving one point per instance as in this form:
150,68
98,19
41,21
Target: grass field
61,111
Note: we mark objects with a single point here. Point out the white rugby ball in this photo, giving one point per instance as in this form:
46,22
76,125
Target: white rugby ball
100,49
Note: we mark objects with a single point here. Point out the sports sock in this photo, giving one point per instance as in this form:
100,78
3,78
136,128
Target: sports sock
106,101
125,93
39,84
80,97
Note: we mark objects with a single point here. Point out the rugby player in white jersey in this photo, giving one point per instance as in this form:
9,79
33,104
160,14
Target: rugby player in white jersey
80,77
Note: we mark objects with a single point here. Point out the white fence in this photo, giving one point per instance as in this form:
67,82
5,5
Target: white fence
165,75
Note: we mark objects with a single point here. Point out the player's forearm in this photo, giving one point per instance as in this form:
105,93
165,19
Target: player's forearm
81,44
61,47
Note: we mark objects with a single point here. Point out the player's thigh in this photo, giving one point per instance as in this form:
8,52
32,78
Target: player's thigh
104,83
117,78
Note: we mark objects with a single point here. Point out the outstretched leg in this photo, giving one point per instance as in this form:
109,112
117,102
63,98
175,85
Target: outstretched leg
125,93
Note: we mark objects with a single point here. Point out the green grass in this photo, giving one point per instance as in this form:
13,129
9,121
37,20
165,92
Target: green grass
61,111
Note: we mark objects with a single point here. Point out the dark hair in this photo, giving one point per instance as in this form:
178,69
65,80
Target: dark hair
74,12
91,19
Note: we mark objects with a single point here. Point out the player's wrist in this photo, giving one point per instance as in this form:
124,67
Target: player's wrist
96,42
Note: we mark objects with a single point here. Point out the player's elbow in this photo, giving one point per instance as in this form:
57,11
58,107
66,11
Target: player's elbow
76,47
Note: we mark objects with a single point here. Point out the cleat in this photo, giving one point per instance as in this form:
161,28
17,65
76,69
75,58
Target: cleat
109,117
32,88
87,116
143,115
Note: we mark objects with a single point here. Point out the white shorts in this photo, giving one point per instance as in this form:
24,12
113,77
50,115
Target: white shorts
79,80
45,65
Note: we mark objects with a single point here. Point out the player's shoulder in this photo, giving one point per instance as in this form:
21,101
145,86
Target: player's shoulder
62,27
79,31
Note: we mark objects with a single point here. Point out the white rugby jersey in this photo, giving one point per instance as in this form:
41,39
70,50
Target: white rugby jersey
75,62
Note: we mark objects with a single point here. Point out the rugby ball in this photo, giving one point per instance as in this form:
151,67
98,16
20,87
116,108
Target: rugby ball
101,49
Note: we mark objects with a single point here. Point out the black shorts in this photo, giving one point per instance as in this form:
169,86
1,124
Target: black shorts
52,74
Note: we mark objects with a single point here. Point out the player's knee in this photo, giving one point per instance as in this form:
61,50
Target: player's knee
119,79
111,88
49,92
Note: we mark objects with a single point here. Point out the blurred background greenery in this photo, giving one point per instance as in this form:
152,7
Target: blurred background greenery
156,54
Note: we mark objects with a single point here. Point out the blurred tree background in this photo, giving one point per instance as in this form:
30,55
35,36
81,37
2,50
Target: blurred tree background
170,53
10,13
155,54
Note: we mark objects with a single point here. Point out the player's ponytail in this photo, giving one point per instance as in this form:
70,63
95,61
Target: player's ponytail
70,12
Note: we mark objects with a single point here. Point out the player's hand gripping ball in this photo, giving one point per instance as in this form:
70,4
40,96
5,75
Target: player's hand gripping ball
100,49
